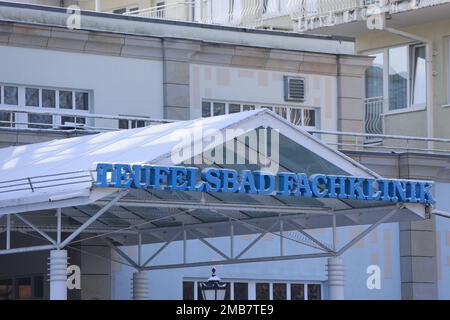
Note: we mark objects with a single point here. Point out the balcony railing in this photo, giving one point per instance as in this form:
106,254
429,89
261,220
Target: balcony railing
373,115
323,13
18,118
257,13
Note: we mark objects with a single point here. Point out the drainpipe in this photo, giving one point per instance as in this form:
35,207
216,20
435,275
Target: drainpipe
430,93
98,5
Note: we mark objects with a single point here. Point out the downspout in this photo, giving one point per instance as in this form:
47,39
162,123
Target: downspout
98,5
429,70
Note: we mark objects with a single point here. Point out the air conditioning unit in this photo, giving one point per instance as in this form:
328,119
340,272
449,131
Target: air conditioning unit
294,89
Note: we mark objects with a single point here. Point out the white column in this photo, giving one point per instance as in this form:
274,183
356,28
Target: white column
140,286
335,279
58,275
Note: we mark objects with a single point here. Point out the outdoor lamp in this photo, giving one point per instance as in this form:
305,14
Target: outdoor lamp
213,289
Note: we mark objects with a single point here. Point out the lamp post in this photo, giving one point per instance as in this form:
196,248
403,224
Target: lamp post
213,289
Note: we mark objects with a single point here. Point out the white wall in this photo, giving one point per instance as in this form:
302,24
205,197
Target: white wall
118,85
263,87
443,241
380,247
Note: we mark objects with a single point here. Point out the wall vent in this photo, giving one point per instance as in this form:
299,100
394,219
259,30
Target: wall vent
294,89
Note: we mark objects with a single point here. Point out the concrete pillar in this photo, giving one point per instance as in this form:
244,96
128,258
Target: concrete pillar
58,275
140,286
335,279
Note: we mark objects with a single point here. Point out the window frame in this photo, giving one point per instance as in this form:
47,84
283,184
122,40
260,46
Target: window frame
270,106
251,287
22,117
386,59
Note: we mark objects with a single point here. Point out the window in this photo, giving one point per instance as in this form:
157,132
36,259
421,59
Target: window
419,71
65,99
188,290
120,11
82,101
48,98
40,121
219,109
234,108
32,97
279,291
131,124
240,291
299,116
262,291
374,77
258,290
297,291
314,292
11,95
6,290
248,107
160,12
24,291
6,119
400,75
398,78
38,287
36,102
131,10
206,109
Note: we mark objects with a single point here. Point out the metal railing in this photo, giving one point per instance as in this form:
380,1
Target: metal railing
37,183
373,139
319,13
255,13
19,118
373,109
249,13
386,142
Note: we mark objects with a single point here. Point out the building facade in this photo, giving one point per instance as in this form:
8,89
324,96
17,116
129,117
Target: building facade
123,72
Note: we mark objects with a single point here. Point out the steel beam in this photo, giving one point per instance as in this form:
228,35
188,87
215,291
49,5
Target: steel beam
208,244
239,261
92,219
221,206
27,249
164,246
255,241
32,226
307,235
366,232
121,253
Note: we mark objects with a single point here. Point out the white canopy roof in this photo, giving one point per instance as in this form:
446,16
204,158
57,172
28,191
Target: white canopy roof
60,173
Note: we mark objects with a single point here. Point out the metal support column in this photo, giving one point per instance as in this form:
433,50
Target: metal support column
8,232
335,268
140,285
58,275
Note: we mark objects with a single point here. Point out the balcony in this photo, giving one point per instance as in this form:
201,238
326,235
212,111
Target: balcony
349,17
317,16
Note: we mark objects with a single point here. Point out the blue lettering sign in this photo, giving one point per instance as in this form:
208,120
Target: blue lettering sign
126,176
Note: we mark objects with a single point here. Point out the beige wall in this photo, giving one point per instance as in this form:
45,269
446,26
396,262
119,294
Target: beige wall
414,123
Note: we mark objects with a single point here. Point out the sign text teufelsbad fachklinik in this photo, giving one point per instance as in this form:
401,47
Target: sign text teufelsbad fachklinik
127,176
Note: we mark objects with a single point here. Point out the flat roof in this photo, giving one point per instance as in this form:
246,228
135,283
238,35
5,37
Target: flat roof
153,27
